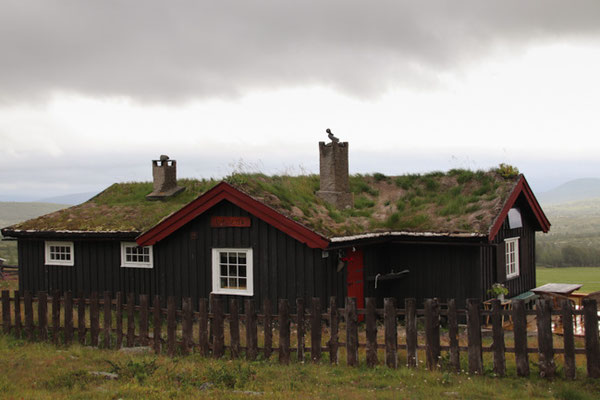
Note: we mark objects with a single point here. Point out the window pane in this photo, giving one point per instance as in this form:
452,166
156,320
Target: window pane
223,270
232,258
233,283
233,270
223,282
242,271
223,257
242,283
242,258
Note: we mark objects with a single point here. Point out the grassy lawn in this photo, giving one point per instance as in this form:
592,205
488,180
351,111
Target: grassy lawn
588,276
42,371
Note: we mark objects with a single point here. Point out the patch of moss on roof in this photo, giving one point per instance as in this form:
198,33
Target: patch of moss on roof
457,201
122,207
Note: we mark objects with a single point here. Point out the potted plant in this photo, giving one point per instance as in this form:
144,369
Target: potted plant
498,290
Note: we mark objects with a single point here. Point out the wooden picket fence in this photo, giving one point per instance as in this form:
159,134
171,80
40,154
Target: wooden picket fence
209,324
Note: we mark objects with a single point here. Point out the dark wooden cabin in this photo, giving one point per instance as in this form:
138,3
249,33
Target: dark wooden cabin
445,235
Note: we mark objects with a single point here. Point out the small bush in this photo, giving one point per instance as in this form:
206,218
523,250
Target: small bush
230,376
140,370
378,176
507,171
363,202
406,181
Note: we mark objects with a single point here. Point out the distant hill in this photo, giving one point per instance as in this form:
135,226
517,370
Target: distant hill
71,199
12,212
575,190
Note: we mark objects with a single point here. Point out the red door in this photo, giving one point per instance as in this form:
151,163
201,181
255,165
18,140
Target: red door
355,277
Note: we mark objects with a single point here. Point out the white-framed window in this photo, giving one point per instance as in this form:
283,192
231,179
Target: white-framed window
511,252
60,253
232,271
134,256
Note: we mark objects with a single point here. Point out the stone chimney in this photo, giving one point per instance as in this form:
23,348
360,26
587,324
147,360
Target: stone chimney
164,174
333,166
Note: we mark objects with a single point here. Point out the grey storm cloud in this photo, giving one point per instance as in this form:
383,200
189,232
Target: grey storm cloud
175,50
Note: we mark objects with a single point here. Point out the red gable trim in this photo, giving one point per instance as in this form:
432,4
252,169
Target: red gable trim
521,187
224,191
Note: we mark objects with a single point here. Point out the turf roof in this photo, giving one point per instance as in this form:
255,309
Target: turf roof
458,201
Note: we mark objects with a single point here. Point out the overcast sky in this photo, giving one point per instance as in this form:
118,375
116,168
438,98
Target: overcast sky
91,91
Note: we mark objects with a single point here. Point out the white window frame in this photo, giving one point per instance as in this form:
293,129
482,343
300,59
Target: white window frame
511,257
49,261
135,264
216,272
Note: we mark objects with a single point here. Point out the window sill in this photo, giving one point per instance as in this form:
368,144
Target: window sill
143,266
232,292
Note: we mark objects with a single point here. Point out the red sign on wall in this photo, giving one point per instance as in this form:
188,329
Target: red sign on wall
229,222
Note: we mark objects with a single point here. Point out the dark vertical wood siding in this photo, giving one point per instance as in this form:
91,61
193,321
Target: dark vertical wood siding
436,270
527,278
283,267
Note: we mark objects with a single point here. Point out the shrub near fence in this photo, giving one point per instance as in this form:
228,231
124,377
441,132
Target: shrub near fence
18,318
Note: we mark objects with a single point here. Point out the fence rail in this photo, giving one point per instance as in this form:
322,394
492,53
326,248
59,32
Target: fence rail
204,330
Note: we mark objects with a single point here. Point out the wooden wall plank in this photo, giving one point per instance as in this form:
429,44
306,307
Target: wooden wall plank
334,328
545,345
410,306
315,330
592,345
68,318
371,331
284,331
520,334
453,335
351,332
475,354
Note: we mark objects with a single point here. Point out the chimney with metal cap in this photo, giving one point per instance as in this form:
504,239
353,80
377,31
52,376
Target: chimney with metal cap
164,174
333,168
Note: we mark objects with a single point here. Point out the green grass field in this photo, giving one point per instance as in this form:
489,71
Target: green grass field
588,276
43,371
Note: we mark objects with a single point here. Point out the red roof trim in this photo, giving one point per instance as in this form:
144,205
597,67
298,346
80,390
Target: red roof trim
521,187
224,191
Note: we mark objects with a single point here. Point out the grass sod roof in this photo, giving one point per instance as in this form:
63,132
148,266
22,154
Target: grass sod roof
457,201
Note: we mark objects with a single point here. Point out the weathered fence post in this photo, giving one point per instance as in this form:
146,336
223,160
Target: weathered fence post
545,346
156,323
371,331
186,329
28,314
592,347
94,319
474,335
119,318
171,325
43,316
218,327
68,316
203,327
268,329
251,330
453,335
284,331
144,300
520,333
334,328
107,306
391,332
432,333
568,339
498,344
130,320
351,332
315,330
55,316
18,323
410,306
81,329
300,327
6,311
234,328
